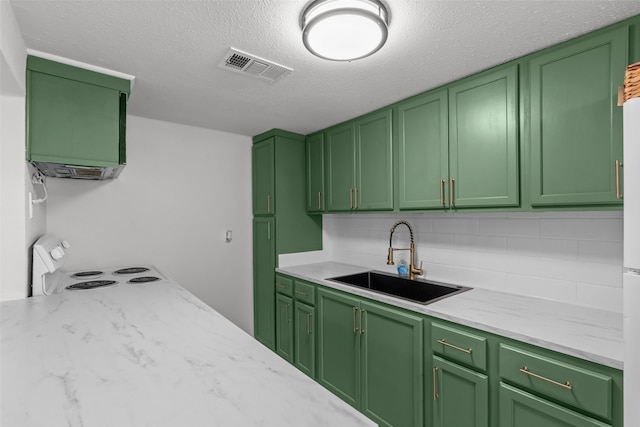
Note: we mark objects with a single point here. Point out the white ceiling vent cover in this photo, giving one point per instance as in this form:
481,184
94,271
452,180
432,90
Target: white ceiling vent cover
253,66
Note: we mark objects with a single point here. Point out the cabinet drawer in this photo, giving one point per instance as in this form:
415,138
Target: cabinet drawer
284,285
460,346
567,383
305,292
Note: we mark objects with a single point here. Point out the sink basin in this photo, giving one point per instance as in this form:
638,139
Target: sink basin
420,291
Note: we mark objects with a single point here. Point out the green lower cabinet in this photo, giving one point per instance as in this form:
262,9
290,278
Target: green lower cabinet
305,338
521,409
371,356
460,396
284,327
264,258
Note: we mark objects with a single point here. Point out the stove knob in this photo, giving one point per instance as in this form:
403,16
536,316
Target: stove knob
65,244
56,253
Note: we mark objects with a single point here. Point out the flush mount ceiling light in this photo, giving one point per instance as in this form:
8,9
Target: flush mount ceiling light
344,30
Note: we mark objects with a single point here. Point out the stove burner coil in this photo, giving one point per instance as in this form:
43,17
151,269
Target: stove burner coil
131,270
84,274
92,284
143,279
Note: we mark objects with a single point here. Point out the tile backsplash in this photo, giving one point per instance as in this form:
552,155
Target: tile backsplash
573,257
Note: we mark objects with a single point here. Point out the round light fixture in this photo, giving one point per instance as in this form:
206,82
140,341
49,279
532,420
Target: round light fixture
344,30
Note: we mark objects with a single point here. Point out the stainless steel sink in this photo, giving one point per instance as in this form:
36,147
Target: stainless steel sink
417,290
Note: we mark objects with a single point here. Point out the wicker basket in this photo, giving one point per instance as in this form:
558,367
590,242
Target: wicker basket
632,81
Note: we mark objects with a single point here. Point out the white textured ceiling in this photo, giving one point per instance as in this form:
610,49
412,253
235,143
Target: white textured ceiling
173,48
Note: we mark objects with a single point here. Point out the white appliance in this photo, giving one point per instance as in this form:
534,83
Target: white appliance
49,255
631,276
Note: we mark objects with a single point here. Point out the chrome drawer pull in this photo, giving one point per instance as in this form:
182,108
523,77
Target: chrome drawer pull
306,294
464,350
566,385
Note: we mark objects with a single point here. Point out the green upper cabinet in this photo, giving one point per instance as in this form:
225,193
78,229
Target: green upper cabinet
374,162
263,155
423,151
360,164
315,172
576,127
341,161
75,116
483,140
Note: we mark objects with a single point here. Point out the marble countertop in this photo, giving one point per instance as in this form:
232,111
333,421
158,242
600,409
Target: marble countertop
147,355
583,332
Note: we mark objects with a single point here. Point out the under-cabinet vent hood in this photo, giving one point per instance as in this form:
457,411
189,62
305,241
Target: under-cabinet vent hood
253,66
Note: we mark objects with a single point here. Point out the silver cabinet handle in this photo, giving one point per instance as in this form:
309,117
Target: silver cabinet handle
351,198
435,383
306,294
268,203
286,311
308,323
361,325
442,201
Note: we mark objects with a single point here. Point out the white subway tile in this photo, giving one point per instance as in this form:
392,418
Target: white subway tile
536,247
435,240
600,214
437,272
600,251
455,225
480,243
523,265
522,227
582,229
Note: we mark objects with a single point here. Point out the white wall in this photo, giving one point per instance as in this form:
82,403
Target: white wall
574,257
182,188
17,230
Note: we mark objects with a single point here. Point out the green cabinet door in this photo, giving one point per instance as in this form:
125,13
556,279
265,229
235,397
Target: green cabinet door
340,155
284,327
264,259
339,345
392,365
522,409
576,127
460,396
305,338
315,172
483,140
374,162
423,149
263,157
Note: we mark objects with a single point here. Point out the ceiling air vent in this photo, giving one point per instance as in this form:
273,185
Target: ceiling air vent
253,66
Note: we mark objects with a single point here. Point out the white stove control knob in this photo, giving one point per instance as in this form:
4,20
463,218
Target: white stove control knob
56,253
65,244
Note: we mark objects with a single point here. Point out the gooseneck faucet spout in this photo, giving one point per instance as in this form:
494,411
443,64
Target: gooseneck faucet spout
413,271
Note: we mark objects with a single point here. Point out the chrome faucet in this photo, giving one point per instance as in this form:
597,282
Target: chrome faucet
412,267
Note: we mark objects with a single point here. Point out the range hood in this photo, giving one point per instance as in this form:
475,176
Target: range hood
60,170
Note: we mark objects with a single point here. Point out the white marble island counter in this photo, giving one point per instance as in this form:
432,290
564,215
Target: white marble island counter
583,332
147,355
